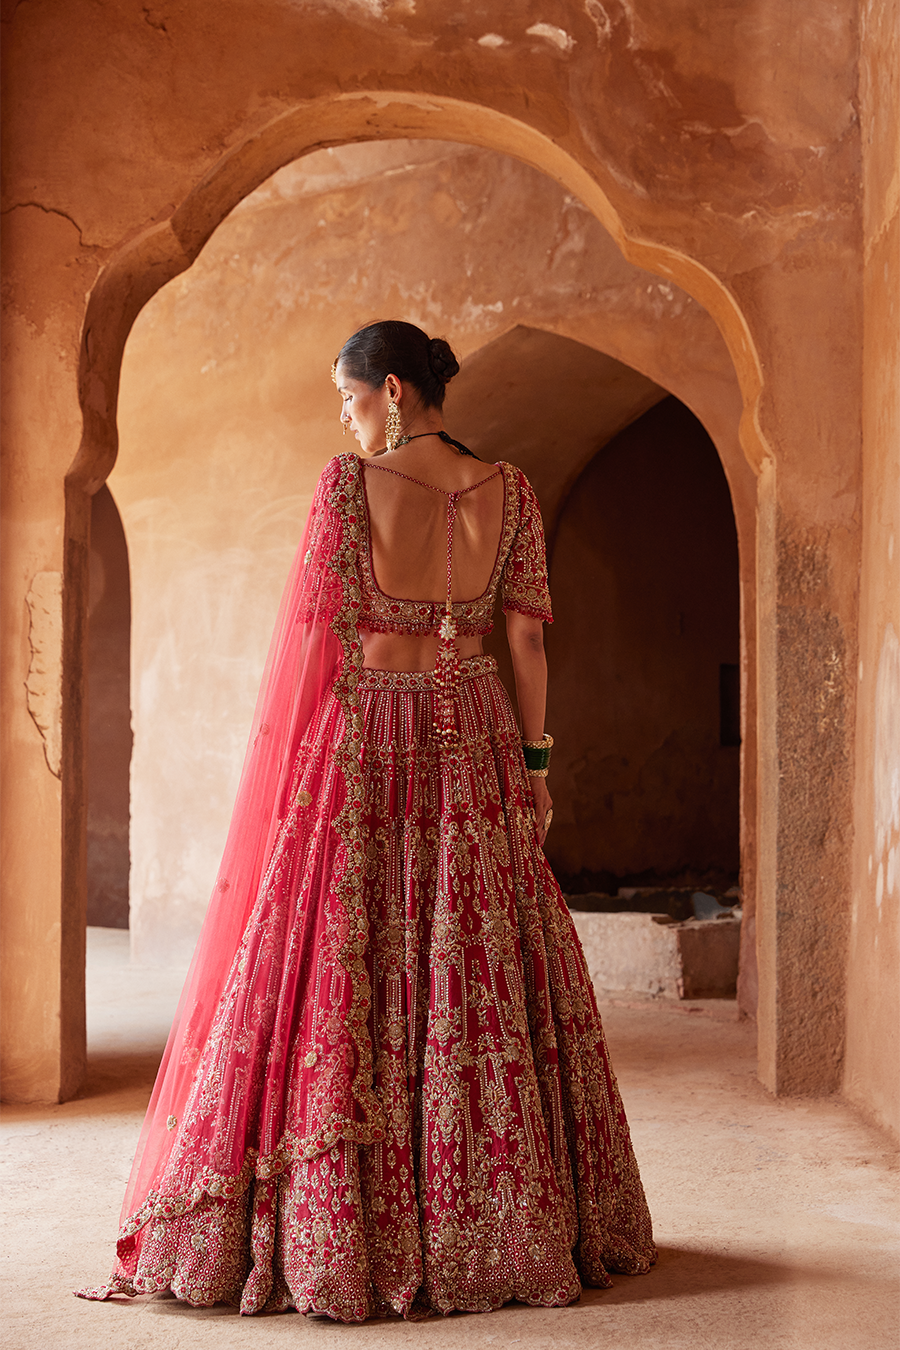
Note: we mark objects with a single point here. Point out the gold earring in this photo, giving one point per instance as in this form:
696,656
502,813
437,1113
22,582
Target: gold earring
392,426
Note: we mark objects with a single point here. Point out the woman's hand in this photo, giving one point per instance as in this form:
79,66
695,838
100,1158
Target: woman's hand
526,645
542,804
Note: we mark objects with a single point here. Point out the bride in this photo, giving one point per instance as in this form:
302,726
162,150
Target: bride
387,1089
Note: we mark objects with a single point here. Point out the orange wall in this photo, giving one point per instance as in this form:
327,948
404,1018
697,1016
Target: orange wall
721,152
872,1066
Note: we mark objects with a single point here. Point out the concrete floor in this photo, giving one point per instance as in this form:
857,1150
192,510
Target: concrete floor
777,1222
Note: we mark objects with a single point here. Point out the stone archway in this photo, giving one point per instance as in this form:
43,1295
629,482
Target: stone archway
154,258
599,439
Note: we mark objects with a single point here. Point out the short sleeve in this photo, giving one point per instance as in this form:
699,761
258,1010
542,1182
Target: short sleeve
523,586
320,594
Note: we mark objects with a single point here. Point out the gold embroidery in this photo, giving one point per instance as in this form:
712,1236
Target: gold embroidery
524,586
408,1034
520,569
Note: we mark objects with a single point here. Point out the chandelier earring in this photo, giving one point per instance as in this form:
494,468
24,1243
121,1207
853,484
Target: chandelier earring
392,426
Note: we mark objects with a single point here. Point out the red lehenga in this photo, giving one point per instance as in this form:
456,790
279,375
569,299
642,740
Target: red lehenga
387,1089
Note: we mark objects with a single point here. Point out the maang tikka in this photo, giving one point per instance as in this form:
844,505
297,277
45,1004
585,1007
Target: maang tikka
392,426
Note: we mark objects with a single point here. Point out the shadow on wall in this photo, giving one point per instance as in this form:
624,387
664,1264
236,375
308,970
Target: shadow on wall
109,717
643,658
545,402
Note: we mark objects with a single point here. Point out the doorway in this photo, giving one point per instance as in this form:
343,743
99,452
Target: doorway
644,657
109,717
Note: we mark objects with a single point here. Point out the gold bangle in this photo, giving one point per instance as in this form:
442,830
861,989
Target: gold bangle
545,743
537,773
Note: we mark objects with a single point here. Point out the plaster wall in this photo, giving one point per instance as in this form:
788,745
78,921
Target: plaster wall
719,146
871,1077
227,416
41,1006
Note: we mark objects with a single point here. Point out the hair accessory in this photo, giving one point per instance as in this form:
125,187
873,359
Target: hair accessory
537,756
334,372
392,426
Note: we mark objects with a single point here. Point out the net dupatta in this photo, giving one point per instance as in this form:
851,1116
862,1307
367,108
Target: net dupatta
315,652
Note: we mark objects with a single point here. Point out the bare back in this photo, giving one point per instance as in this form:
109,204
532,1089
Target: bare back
408,534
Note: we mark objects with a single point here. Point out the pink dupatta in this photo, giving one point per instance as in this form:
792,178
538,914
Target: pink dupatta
315,653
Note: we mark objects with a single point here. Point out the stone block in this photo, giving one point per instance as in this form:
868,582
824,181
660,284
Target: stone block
630,953
708,950
647,954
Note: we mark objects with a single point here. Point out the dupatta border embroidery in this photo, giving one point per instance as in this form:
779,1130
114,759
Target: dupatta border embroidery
344,500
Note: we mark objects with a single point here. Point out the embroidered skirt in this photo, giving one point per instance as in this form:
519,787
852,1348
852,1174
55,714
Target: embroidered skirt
502,1166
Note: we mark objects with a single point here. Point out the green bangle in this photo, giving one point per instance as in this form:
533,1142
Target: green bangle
537,756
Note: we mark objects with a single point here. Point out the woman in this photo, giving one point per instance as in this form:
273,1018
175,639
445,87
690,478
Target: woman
387,1089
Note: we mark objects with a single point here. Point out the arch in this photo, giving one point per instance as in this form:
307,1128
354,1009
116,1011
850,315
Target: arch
557,399
644,577
166,248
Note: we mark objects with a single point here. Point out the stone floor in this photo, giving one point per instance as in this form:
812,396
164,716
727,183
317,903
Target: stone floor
777,1222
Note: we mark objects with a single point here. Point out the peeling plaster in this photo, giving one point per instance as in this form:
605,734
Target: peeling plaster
558,36
43,686
600,19
376,9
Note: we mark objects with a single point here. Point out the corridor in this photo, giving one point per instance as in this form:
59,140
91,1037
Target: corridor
777,1221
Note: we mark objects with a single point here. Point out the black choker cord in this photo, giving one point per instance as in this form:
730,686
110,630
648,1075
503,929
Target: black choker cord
448,440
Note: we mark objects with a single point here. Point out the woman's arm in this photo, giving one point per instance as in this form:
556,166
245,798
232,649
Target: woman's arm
526,645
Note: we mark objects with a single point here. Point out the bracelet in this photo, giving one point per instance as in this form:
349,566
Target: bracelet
537,756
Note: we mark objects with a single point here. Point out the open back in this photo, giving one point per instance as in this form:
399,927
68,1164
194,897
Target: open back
409,524
498,543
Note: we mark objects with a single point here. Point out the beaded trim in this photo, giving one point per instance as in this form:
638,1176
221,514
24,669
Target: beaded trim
416,681
383,613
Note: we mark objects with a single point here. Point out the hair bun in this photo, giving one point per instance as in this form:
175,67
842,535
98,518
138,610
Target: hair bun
394,347
441,359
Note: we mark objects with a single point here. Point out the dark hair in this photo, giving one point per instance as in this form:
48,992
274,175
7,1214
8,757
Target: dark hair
393,347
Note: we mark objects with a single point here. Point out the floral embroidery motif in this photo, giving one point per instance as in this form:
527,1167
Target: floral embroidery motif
524,583
405,1102
520,570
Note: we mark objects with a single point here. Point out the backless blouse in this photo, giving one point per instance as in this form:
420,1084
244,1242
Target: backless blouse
519,571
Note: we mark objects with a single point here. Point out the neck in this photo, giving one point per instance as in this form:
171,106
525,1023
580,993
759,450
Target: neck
423,426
